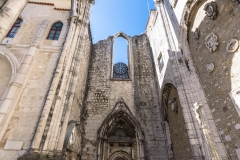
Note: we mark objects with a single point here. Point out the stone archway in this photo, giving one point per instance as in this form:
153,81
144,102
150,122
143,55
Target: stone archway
121,155
174,125
120,136
8,66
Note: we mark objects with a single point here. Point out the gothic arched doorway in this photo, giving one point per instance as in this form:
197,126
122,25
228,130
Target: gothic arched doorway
177,137
120,155
120,137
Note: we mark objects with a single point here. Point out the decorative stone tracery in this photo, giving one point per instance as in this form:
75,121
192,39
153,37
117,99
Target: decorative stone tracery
120,70
211,42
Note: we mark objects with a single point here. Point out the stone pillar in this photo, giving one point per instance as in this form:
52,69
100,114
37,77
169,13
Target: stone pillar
169,141
73,8
51,95
9,12
207,134
141,150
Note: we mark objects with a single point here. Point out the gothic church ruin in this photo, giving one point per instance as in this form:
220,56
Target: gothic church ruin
64,98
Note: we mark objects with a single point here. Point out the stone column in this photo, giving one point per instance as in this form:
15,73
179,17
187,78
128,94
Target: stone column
207,133
9,12
51,95
141,149
61,102
73,8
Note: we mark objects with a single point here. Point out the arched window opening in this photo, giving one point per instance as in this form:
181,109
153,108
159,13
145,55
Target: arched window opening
55,31
120,58
13,31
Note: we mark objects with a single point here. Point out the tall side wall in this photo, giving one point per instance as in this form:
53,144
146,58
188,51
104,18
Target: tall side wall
33,61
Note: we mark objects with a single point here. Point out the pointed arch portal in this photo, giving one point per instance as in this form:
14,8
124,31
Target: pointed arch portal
120,136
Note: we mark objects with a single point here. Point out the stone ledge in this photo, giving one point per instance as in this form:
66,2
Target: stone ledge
42,156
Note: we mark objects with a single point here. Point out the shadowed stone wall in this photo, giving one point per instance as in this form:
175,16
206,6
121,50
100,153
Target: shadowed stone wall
219,70
175,127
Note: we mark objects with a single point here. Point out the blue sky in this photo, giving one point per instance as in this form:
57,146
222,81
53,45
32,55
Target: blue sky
109,17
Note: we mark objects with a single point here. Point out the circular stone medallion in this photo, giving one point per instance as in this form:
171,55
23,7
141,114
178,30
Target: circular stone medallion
232,45
210,67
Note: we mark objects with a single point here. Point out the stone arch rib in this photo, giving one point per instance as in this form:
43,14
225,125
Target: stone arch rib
12,60
120,154
121,34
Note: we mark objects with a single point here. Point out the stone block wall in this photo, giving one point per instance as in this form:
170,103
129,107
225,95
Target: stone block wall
179,71
219,70
33,62
138,92
146,100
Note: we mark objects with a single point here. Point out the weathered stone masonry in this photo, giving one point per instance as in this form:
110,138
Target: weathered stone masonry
139,93
61,100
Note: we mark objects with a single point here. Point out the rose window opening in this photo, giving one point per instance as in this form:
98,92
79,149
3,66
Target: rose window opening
120,70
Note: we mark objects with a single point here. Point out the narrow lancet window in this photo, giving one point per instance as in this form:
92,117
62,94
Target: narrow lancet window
13,31
120,58
55,31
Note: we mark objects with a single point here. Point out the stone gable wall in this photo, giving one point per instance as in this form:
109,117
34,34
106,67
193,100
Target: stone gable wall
139,93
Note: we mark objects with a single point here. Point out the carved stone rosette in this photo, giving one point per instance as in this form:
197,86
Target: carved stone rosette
210,67
232,45
211,42
211,10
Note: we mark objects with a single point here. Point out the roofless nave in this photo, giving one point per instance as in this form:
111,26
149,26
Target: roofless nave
63,97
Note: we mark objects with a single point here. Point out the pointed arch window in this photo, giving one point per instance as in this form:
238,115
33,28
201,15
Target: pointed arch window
120,57
55,31
13,31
